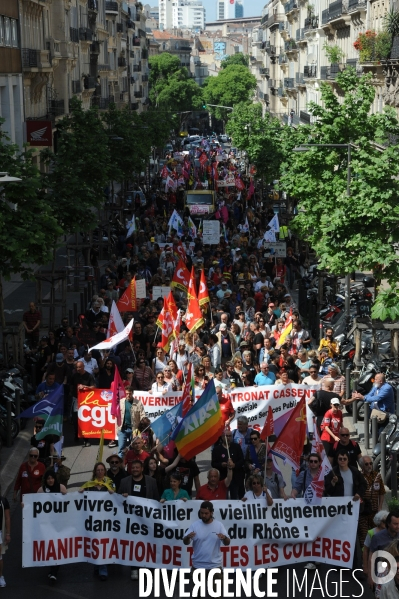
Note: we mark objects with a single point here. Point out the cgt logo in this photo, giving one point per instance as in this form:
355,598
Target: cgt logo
383,567
39,133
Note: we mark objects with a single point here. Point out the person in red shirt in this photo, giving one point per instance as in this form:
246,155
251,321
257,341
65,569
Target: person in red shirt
135,452
30,474
216,488
260,299
280,270
331,424
228,412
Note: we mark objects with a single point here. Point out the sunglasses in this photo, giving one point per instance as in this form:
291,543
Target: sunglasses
38,426
254,438
160,376
114,463
313,461
255,483
344,434
33,455
342,459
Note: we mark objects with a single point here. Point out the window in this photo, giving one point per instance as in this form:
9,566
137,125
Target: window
14,33
1,31
7,31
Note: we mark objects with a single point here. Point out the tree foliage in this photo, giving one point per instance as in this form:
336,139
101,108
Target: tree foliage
80,168
28,223
234,59
171,87
259,136
358,232
233,85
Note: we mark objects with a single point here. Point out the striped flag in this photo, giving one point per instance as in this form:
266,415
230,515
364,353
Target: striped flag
202,425
286,331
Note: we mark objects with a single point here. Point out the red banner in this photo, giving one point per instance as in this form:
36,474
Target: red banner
39,133
94,414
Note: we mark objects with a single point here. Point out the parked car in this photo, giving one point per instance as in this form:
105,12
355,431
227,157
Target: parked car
224,139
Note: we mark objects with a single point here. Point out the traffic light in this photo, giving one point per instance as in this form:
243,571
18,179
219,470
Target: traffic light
204,106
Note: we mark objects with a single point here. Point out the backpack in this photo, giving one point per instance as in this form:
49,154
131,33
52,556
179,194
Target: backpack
316,405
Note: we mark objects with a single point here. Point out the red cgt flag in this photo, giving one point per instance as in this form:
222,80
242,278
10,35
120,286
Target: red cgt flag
289,445
194,318
191,292
203,294
268,428
128,301
167,330
181,278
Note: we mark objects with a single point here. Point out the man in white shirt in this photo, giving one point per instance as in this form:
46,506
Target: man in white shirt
263,282
207,535
90,364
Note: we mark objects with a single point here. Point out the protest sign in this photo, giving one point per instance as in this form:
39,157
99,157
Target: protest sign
158,291
278,249
140,289
135,531
211,232
94,414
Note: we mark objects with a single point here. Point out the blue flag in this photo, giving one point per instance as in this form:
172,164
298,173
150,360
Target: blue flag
51,409
164,425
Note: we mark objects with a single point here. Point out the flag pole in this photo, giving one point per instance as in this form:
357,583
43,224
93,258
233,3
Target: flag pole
227,446
264,469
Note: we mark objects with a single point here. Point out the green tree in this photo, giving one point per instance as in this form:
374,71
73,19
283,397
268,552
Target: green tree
233,85
28,223
180,93
259,137
162,66
79,169
358,232
234,59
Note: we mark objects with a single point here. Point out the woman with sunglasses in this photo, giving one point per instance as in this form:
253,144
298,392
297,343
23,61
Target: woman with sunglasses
257,490
170,379
160,386
255,455
159,362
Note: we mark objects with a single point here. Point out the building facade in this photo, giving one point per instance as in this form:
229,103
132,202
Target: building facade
225,9
11,84
174,44
239,9
293,49
181,14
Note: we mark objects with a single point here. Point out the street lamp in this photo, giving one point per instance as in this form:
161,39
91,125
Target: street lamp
305,148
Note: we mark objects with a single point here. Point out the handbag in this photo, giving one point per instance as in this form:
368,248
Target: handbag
381,416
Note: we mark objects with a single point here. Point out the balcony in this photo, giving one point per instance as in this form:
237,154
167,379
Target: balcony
103,67
271,50
290,46
274,83
325,17
264,71
264,19
111,7
130,24
76,87
299,79
30,58
136,42
74,34
336,10
275,19
144,54
85,34
357,6
282,59
311,23
93,5
134,106
330,72
121,61
281,92
289,83
138,94
89,82
144,78
310,71
305,117
290,7
300,36
131,53
137,68
142,33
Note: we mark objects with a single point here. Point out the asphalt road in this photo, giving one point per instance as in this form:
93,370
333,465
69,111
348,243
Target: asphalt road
77,580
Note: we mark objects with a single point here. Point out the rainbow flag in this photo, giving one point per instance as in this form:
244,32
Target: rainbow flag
202,425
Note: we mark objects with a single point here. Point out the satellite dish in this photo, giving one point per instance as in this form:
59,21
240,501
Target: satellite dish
312,56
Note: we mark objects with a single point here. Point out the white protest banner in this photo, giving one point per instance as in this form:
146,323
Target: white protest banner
158,291
252,402
278,249
211,232
140,289
132,531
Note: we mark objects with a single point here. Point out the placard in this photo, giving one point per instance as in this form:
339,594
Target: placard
211,232
94,414
278,249
140,289
158,291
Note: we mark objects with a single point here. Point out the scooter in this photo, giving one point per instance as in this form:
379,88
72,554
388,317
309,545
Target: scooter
391,431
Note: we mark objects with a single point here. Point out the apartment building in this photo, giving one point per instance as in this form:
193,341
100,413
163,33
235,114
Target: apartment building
291,55
93,49
174,44
181,14
11,88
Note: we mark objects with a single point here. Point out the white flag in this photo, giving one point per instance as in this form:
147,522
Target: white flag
314,492
270,236
274,224
115,323
131,227
175,221
115,339
245,227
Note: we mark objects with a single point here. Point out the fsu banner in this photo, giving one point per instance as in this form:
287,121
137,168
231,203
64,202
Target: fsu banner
94,414
100,528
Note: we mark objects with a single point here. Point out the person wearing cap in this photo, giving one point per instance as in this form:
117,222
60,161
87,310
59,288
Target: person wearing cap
116,471
30,474
56,462
226,342
331,424
59,369
220,294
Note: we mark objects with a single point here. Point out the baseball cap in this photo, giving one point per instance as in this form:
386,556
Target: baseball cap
59,358
129,370
335,401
